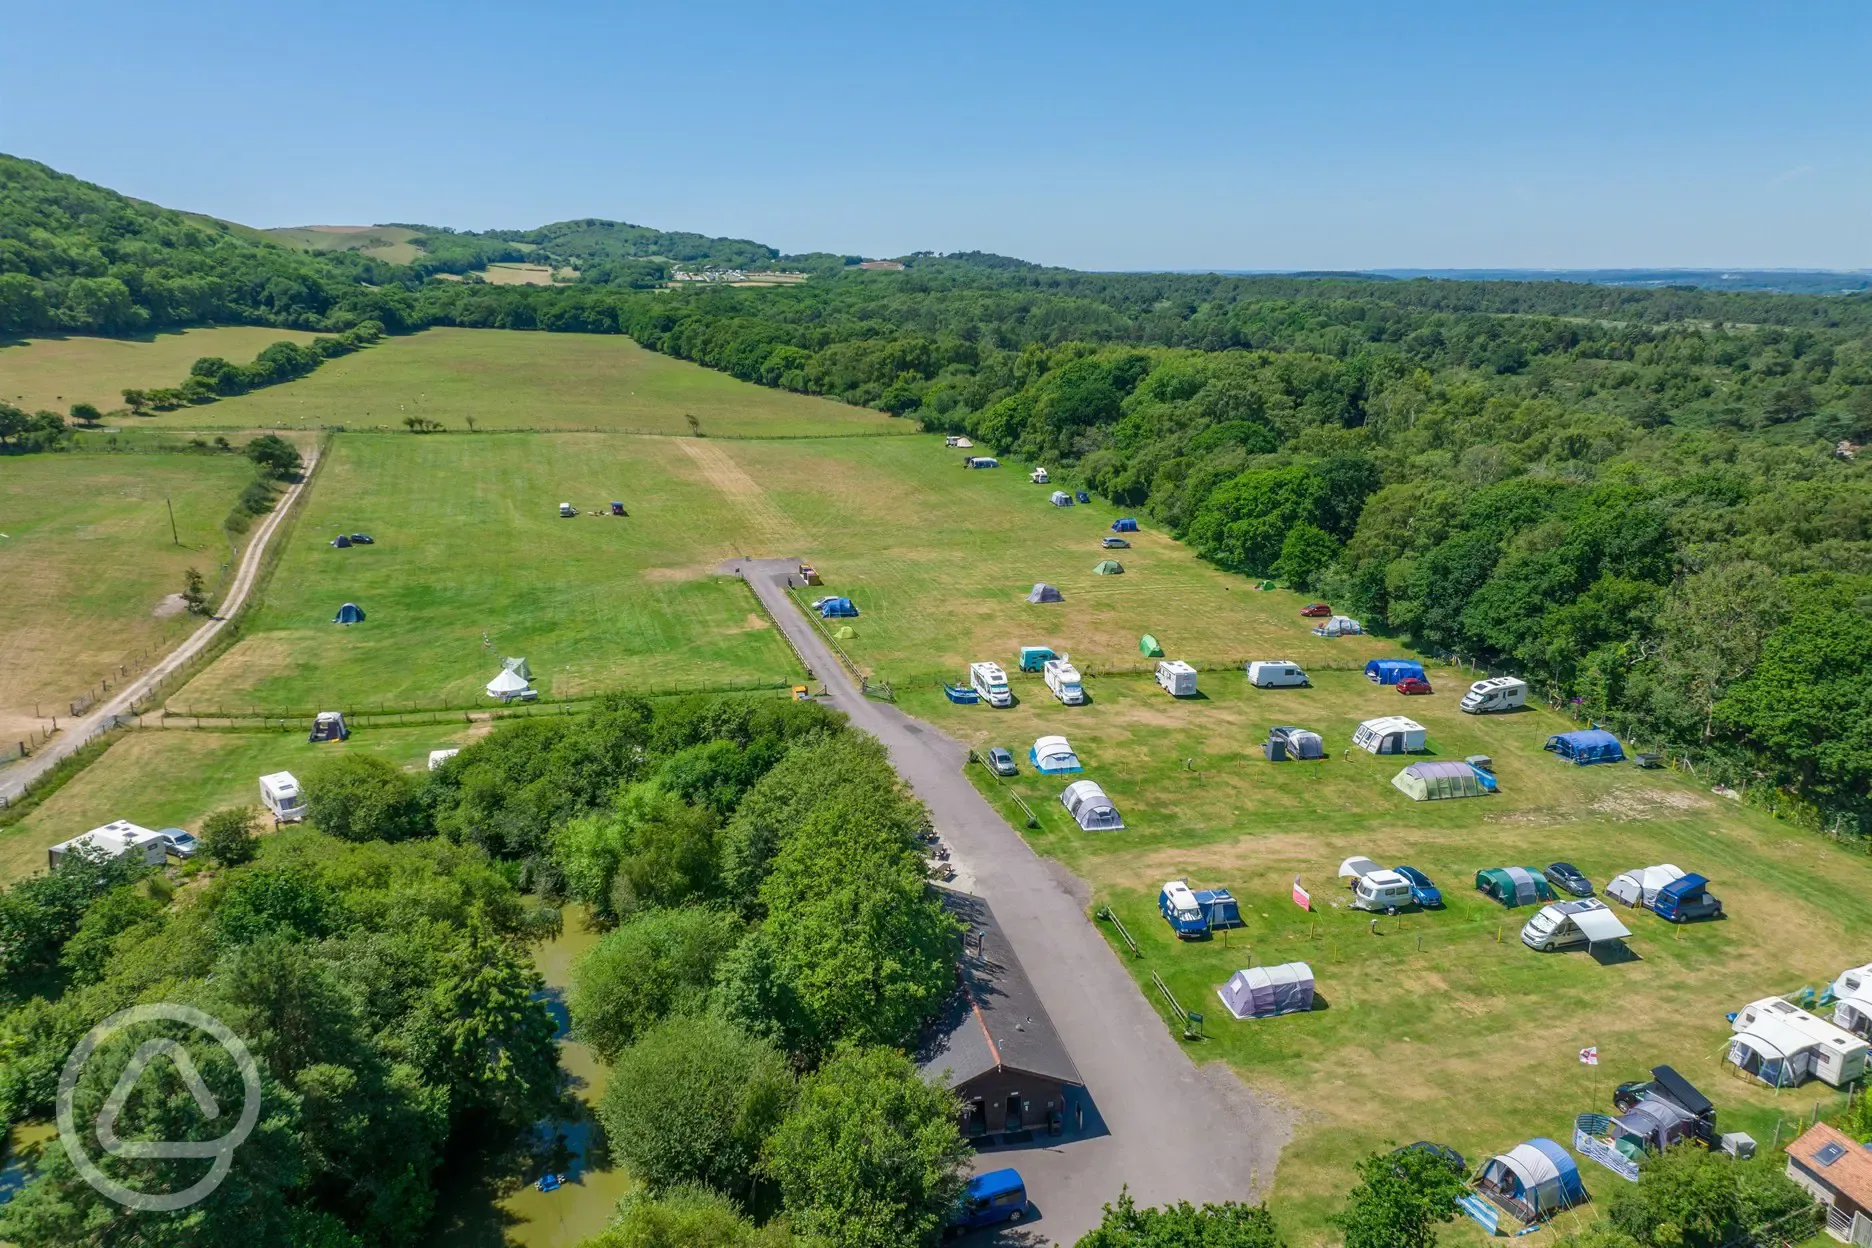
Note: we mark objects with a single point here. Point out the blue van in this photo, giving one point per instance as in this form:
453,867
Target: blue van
1686,898
992,1198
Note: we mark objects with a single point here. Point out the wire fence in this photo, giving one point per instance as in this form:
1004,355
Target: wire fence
413,712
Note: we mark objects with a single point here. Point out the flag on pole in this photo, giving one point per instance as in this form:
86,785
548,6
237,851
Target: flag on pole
1301,897
1589,1055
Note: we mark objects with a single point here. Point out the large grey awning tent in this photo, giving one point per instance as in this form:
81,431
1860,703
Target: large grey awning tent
1429,782
1043,592
1090,808
350,613
1264,991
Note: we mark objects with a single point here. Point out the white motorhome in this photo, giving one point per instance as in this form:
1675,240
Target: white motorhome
279,793
439,757
991,683
1374,887
1497,693
1177,678
1039,476
117,839
1568,923
1063,679
1781,1044
1276,674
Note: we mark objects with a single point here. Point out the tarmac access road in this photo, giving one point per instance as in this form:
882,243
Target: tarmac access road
71,738
1172,1131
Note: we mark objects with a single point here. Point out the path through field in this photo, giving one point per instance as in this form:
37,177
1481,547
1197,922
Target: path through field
770,529
1173,1131
15,777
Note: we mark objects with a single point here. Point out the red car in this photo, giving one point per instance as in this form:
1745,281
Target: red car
1414,684
1316,610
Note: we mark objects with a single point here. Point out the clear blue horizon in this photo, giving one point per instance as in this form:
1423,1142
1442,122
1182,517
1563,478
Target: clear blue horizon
1101,136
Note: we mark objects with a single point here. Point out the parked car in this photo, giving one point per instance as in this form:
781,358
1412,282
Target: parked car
992,1198
1442,1152
1422,890
1414,684
1687,898
362,539
1001,761
1114,543
1316,610
180,842
1568,879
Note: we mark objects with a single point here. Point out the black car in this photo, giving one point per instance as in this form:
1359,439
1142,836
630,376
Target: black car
1449,1156
1001,762
1568,878
362,539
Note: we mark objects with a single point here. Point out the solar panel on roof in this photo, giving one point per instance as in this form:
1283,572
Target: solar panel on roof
1830,1153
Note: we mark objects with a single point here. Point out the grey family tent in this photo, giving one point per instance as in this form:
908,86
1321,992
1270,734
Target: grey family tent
350,613
1429,782
1149,647
1043,592
1591,745
1514,886
1108,567
1640,886
1285,742
1652,1125
1390,671
1086,802
1062,499
1124,524
1265,991
1535,1180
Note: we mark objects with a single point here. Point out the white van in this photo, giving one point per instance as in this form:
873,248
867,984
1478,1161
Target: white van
1567,924
1063,679
1039,477
991,682
1276,674
1497,693
1177,678
279,793
1374,887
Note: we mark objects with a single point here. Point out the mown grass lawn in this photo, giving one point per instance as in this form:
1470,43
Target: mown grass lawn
55,373
511,379
1441,1025
939,560
173,778
472,563
88,558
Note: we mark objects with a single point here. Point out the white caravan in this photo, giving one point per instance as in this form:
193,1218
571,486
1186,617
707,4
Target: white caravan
991,682
1063,679
118,839
279,793
1276,674
1497,693
1177,678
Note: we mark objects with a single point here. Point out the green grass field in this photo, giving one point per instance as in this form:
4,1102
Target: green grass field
469,543
88,560
517,380
166,778
384,242
1442,1026
939,561
54,373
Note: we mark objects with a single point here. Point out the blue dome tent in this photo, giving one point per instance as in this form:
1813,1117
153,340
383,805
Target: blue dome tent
1124,524
350,613
837,607
1390,671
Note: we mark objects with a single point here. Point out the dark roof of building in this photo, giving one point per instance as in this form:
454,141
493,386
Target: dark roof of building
1840,1162
995,1020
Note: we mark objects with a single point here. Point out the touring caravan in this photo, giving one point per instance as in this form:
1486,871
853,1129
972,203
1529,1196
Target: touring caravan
1853,991
118,839
1375,887
1063,679
991,683
1177,678
1390,734
279,793
1783,1045
1276,674
1497,693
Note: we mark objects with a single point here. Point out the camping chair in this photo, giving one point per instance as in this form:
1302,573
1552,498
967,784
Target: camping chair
1804,998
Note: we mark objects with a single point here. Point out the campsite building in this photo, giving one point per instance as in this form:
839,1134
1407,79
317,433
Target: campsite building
1429,782
1086,802
1853,991
1390,734
1783,1046
1836,1170
994,1046
117,839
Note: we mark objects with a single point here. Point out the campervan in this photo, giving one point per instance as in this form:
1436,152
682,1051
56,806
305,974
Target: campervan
1063,679
1497,693
1566,924
1039,476
1375,887
1180,909
1177,678
1276,674
279,793
991,683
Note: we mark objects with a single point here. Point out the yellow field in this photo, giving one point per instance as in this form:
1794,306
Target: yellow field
383,242
54,373
525,274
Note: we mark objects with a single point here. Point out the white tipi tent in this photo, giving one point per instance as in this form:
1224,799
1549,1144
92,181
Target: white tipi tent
508,684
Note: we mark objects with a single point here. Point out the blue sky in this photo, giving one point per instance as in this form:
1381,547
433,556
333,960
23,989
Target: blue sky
1099,135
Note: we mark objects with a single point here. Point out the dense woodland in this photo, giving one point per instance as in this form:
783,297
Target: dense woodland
1645,500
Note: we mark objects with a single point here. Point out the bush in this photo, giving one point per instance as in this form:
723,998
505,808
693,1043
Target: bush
227,836
690,1216
658,964
358,797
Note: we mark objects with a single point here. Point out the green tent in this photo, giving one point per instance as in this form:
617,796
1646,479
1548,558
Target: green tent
1108,567
1513,886
1148,647
845,632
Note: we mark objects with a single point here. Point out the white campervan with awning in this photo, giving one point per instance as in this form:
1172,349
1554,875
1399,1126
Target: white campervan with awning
279,793
1853,991
1390,734
1566,924
117,839
1782,1045
1640,887
1374,887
